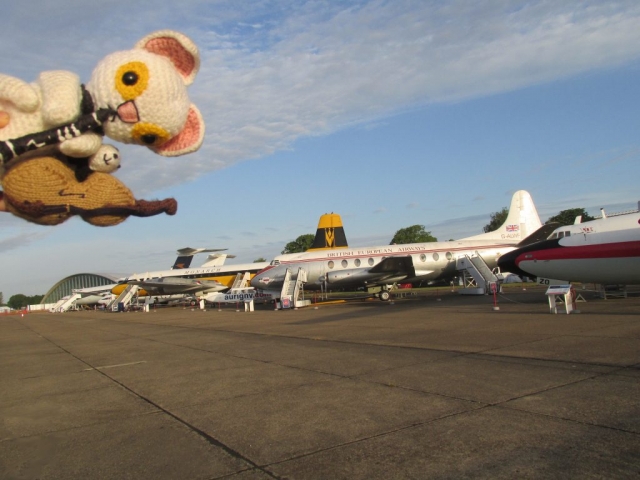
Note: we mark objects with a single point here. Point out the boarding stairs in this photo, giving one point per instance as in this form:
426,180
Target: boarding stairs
476,275
65,303
124,298
292,288
242,280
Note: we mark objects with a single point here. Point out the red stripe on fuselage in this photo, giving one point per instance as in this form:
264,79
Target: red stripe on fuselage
602,250
351,253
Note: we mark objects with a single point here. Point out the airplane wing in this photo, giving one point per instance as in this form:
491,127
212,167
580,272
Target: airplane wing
394,265
389,270
94,290
172,286
395,269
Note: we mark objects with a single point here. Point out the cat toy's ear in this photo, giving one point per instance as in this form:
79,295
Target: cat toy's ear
188,140
178,48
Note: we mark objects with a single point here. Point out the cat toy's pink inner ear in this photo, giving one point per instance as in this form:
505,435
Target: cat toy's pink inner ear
188,140
171,48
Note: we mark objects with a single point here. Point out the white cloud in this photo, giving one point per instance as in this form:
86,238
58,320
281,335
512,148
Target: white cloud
19,239
330,70
273,72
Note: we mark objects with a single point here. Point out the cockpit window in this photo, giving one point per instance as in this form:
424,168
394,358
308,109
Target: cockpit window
554,235
275,262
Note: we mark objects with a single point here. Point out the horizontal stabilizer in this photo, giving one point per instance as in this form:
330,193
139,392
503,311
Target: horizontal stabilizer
185,256
216,260
194,251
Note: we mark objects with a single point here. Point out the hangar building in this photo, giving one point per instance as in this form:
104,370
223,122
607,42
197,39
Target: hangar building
78,280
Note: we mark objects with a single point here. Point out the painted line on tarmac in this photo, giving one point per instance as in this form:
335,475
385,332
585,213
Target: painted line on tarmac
114,366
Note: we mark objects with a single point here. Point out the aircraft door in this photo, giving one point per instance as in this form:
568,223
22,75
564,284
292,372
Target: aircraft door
320,276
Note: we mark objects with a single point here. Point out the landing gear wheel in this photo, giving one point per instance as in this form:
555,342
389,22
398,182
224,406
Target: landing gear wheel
384,296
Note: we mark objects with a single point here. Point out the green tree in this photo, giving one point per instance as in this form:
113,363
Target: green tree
260,260
300,244
18,301
568,217
412,234
34,299
1,299
497,219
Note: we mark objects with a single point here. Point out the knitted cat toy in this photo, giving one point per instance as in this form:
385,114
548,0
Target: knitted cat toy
53,164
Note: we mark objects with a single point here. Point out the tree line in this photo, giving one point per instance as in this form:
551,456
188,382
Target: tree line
20,301
565,217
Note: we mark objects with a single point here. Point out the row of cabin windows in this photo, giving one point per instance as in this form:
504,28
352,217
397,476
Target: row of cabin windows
370,261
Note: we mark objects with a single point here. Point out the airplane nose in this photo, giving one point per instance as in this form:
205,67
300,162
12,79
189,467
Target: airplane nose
269,277
507,263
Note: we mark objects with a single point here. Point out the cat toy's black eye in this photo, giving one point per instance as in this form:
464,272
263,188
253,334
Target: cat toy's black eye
149,139
130,78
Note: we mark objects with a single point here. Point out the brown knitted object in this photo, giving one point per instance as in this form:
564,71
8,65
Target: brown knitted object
45,191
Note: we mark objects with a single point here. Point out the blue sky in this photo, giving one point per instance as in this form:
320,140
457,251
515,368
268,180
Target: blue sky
391,113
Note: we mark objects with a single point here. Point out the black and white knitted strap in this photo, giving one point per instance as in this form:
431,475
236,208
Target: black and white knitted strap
89,122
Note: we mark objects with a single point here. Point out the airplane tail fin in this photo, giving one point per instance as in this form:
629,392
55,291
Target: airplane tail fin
330,233
183,261
521,221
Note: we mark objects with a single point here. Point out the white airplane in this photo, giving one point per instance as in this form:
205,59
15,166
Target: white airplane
94,299
214,275
603,251
378,268
246,295
234,295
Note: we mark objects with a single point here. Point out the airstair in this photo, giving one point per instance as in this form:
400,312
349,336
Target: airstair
292,288
124,298
242,280
476,275
65,303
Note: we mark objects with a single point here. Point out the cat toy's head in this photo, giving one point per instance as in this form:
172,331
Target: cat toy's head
147,86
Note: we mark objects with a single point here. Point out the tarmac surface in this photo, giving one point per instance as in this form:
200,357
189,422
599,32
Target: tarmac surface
436,386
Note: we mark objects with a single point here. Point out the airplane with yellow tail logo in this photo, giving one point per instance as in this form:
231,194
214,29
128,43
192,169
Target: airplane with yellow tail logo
378,269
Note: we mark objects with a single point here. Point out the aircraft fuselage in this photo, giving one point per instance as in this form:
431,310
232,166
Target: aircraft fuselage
603,251
355,267
184,280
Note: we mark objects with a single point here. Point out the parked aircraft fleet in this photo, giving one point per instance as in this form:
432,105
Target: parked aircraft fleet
605,251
